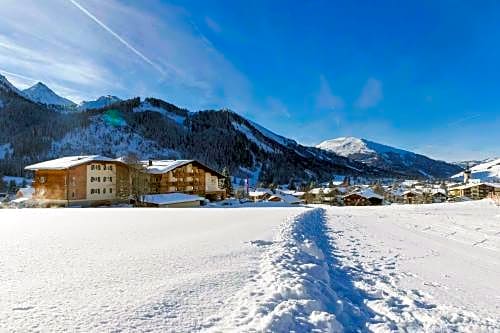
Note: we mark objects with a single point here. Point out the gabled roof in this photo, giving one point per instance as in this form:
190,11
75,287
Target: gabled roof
260,192
68,162
366,193
288,198
164,166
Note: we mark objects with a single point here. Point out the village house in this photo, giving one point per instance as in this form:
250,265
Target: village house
186,176
80,181
260,194
364,197
438,196
285,198
474,191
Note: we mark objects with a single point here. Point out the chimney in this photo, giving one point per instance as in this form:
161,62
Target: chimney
150,162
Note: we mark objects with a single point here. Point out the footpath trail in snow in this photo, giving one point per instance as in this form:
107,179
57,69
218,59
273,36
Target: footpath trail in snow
414,268
112,270
379,269
423,267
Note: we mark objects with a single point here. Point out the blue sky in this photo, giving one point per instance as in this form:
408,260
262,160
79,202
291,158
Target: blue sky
420,75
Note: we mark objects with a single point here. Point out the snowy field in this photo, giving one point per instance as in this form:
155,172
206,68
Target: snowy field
415,268
103,270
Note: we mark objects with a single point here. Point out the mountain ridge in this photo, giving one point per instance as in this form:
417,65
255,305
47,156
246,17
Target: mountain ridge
40,93
153,128
389,158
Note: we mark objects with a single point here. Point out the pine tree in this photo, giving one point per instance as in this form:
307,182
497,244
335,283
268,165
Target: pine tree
228,186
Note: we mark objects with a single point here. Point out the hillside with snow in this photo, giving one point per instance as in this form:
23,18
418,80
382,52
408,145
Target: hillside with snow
44,126
488,171
40,93
152,128
389,158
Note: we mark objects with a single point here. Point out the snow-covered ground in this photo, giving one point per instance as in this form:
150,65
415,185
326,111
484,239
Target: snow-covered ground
422,267
413,268
103,270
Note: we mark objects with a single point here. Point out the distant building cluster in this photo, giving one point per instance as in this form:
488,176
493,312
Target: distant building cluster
98,180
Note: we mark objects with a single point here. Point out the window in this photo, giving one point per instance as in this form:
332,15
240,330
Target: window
99,179
92,167
110,190
104,191
92,191
72,194
111,168
42,180
98,191
111,179
91,179
103,179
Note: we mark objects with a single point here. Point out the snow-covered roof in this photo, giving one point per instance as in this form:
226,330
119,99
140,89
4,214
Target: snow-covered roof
367,193
292,192
170,198
163,166
319,190
260,192
68,162
288,198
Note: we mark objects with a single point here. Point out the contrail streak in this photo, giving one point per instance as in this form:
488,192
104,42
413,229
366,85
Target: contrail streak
114,34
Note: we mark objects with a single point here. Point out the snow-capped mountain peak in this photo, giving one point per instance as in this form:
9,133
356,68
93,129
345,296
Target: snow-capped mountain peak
5,85
101,102
40,93
388,158
348,146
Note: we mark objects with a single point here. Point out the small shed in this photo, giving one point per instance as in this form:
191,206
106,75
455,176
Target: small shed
172,200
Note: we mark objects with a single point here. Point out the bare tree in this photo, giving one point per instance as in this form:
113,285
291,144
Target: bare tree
138,178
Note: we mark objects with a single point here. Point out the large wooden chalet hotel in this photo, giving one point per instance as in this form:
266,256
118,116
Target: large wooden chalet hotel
99,180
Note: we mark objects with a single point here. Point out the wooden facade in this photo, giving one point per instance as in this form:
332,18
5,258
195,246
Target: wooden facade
475,191
355,199
190,177
90,183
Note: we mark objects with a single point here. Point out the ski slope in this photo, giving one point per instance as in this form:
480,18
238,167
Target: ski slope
411,268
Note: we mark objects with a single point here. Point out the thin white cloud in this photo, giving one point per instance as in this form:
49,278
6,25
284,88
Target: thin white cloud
277,107
371,94
325,99
114,34
213,25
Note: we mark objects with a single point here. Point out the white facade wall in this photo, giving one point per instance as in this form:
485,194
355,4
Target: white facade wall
101,181
211,182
